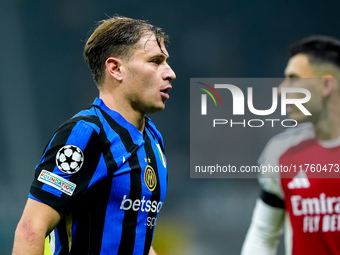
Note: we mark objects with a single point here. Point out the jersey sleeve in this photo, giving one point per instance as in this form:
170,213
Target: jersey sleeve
264,231
268,215
269,159
72,161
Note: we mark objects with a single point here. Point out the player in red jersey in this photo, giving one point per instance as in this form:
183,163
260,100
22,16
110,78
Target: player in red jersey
306,201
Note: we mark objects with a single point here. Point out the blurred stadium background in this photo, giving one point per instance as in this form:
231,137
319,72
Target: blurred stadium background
44,80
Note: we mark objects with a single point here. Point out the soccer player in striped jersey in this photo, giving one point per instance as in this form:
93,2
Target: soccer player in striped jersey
102,178
306,203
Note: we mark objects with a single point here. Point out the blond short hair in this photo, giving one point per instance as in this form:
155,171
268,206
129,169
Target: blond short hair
116,37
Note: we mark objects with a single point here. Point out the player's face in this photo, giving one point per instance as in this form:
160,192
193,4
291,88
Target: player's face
300,74
148,76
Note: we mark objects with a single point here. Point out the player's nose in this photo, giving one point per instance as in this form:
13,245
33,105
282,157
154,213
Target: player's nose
169,74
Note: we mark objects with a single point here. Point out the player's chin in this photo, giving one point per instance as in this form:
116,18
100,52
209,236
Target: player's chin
300,118
156,108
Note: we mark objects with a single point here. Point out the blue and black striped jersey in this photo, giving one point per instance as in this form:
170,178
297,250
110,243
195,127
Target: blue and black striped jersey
108,180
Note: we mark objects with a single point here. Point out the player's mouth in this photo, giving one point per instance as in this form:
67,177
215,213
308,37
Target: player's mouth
164,92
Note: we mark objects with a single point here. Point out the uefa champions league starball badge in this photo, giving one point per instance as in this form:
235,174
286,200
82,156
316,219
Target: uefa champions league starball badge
69,159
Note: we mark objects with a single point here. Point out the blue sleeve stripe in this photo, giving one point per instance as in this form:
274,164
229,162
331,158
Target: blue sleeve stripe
47,148
79,137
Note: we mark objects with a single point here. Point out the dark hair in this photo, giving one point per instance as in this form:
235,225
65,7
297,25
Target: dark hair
116,37
319,49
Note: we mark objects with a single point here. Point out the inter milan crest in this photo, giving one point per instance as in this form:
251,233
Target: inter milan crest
150,178
69,159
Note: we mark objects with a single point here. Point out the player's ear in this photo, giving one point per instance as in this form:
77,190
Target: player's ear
113,67
329,85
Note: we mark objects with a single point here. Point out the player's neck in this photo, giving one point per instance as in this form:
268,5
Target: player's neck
135,118
328,126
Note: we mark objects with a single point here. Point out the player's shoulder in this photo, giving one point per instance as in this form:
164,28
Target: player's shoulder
292,135
281,142
87,118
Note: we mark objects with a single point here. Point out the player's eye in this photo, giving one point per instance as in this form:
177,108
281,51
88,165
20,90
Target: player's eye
156,61
292,79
